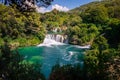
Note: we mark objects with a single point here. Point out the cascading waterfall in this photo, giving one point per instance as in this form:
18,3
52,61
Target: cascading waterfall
53,48
57,38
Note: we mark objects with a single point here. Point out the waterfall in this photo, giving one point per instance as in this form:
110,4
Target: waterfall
57,38
54,39
57,30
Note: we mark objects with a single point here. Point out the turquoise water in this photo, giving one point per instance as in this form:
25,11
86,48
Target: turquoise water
49,55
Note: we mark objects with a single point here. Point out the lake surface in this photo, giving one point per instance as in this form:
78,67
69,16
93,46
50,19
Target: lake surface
50,52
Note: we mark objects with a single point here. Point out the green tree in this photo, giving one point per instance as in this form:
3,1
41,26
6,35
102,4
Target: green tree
97,15
83,34
15,25
66,72
97,59
113,32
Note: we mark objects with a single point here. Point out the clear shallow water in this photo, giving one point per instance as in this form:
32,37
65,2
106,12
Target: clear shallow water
50,52
49,55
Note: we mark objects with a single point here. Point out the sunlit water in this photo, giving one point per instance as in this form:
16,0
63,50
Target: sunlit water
51,52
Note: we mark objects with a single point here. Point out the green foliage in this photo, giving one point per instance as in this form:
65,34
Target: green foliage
16,26
66,72
113,32
54,19
100,61
57,19
112,7
96,15
82,34
105,15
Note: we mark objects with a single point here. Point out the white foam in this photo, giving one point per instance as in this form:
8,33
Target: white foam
67,57
71,53
86,47
50,42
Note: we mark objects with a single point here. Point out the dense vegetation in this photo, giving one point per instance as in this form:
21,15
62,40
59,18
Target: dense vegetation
96,23
66,72
20,29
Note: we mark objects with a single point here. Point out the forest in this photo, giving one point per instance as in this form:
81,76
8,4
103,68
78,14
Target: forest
96,24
